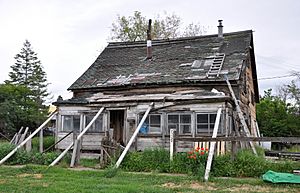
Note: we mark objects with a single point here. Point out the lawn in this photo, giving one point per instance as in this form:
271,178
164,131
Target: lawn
33,178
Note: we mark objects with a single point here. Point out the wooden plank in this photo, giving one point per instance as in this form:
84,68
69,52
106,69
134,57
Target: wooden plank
23,136
212,145
234,138
41,141
18,136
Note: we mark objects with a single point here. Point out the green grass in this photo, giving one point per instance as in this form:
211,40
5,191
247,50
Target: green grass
33,178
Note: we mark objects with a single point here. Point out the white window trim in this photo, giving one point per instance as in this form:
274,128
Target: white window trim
209,123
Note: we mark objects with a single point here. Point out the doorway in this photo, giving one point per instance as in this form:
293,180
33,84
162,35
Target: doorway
117,124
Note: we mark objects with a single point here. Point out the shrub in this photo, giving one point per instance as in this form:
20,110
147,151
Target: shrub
47,142
247,164
222,165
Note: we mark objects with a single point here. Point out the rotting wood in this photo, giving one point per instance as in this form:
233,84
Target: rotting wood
212,145
28,138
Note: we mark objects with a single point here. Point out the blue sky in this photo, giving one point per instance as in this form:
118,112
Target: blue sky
68,35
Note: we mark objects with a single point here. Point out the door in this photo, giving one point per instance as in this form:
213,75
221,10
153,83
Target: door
117,124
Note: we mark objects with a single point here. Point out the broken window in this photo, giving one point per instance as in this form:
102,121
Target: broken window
97,126
70,123
180,122
206,122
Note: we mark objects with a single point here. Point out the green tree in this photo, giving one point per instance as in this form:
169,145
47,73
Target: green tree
134,28
276,118
28,71
17,109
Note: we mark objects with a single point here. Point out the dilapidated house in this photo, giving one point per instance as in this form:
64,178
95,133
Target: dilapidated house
185,80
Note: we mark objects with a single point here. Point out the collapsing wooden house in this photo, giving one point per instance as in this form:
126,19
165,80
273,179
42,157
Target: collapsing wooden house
183,80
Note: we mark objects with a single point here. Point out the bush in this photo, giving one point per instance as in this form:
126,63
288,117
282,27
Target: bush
246,163
24,157
149,160
47,142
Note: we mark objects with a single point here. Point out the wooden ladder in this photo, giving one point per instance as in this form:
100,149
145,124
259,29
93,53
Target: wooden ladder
240,114
216,66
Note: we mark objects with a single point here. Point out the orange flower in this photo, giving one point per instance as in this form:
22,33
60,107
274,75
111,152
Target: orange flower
190,152
206,149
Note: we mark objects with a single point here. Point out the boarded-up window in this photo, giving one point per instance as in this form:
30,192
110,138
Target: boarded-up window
70,123
205,122
97,126
180,122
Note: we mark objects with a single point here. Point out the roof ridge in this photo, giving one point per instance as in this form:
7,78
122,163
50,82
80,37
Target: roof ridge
169,40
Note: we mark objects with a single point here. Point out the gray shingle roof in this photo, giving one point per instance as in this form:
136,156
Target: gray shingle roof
180,60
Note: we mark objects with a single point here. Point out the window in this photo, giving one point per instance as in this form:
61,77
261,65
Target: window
97,126
180,122
70,122
152,124
206,122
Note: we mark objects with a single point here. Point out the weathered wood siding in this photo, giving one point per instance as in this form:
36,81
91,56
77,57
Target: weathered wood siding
89,141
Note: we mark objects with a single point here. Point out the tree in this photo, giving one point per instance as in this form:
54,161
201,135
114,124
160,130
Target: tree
134,28
277,118
28,71
17,110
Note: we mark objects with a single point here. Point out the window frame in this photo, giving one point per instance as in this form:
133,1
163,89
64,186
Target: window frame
149,123
209,123
62,128
92,115
178,125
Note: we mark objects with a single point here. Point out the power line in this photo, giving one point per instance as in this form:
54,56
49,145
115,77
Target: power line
276,77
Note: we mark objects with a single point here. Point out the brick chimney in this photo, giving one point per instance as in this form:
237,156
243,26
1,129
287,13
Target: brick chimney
149,42
220,29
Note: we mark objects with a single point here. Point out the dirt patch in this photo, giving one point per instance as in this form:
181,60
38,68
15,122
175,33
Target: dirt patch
247,188
204,186
171,185
2,181
36,176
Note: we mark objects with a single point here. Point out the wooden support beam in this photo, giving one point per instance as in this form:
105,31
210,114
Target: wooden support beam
212,145
28,138
62,154
77,141
240,115
133,136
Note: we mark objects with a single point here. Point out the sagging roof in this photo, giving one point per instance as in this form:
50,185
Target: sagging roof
174,61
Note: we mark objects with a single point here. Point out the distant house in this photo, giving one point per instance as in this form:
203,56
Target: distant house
183,77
